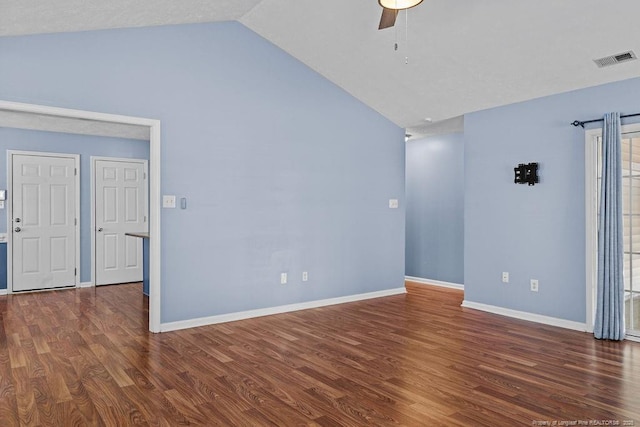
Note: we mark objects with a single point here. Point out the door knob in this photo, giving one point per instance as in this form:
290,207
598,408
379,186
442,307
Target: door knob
100,230
17,229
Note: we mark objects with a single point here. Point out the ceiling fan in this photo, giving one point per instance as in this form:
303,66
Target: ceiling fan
390,10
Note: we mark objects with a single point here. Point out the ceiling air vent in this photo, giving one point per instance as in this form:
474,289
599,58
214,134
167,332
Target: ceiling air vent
615,59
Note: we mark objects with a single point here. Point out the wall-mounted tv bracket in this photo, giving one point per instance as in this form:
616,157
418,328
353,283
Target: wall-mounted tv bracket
526,174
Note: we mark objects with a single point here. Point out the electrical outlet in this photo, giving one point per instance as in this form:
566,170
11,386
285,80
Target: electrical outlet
534,285
305,276
505,277
283,278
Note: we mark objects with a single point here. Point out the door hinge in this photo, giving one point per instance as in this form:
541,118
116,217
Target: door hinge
145,219
144,175
75,221
75,271
75,171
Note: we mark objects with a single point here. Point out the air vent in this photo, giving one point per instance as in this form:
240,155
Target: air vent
615,59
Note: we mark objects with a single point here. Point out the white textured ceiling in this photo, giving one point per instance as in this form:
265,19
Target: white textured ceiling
463,55
53,16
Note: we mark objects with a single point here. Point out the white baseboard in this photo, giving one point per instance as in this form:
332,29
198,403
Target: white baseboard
80,285
230,317
523,315
434,282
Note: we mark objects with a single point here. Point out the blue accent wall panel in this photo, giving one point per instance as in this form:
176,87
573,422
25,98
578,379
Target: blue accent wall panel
533,232
3,266
435,208
84,145
283,170
145,267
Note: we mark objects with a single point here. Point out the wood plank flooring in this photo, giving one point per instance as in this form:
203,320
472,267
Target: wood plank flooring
84,357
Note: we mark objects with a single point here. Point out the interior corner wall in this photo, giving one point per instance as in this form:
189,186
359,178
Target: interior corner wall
282,170
532,232
435,208
83,145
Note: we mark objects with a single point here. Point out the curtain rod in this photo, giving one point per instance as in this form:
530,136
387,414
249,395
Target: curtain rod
577,123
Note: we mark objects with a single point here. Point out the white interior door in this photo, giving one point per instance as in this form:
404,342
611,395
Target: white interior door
120,207
44,221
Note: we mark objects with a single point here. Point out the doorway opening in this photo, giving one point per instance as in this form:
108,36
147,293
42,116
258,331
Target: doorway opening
76,121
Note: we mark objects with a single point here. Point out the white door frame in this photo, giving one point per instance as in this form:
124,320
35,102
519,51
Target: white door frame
591,215
94,159
154,185
76,164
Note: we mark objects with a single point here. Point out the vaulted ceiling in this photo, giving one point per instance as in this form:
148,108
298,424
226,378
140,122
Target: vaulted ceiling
453,57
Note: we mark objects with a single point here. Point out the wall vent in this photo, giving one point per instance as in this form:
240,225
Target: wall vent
615,59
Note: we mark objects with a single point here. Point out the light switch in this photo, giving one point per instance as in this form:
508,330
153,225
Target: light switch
168,201
3,237
393,203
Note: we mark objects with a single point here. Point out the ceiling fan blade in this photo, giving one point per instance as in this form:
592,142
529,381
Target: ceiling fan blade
388,18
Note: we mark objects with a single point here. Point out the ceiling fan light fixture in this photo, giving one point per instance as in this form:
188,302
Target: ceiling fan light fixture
399,4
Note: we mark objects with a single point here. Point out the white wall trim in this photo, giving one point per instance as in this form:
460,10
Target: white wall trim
154,186
4,291
523,315
434,282
241,315
85,285
154,227
591,217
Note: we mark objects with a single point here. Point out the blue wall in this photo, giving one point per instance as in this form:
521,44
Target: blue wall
3,266
435,208
85,146
532,232
283,170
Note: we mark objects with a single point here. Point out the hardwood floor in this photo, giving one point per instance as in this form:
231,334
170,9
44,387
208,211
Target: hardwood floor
84,357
